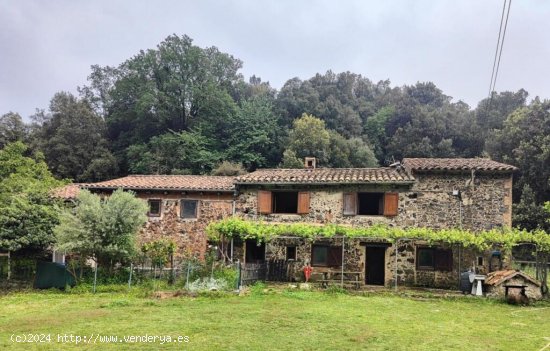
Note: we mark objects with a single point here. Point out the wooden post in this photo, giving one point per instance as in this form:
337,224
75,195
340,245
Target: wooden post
343,258
172,278
130,279
95,274
396,250
239,275
9,265
187,276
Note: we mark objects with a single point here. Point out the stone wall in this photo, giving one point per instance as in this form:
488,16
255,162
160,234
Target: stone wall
355,257
188,234
533,291
484,203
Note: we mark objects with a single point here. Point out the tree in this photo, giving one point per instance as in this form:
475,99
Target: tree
352,152
105,230
426,93
254,134
524,141
73,141
177,86
361,155
227,168
375,130
28,213
12,128
529,215
309,138
493,111
290,160
187,152
343,101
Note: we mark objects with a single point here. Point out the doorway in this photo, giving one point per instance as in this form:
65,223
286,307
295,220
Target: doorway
254,253
375,263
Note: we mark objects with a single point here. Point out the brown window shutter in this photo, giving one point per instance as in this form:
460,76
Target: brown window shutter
443,260
264,202
390,204
303,202
350,204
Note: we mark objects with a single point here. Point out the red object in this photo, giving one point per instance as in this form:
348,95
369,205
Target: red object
307,272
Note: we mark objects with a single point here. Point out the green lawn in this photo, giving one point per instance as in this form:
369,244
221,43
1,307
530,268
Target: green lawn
284,320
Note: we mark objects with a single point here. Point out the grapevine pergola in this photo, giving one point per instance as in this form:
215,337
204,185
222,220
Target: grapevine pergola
506,238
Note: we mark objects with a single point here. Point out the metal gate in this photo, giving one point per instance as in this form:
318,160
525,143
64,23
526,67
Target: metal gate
272,270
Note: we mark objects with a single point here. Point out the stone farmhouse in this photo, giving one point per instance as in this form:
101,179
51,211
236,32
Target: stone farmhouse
473,194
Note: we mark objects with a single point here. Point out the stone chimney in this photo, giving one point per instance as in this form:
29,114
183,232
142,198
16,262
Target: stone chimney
309,162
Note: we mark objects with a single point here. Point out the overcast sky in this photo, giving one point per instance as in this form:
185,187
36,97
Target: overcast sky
49,46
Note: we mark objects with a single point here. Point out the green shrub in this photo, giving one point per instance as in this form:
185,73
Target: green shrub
336,290
258,288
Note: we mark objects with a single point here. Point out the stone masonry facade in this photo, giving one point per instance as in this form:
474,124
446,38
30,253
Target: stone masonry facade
484,202
473,194
189,234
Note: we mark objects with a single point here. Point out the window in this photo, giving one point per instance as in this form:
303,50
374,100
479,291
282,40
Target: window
255,252
373,204
323,255
429,258
283,202
154,207
291,253
370,204
480,260
425,258
189,208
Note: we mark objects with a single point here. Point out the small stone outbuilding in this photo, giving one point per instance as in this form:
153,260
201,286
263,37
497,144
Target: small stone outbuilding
517,283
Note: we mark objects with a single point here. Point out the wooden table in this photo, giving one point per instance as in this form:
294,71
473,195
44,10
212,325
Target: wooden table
339,277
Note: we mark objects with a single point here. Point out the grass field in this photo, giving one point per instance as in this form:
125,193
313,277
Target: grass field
282,320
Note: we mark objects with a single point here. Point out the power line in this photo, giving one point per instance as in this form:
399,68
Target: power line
502,43
496,50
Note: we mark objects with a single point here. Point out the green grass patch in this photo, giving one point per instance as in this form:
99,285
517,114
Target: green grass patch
282,319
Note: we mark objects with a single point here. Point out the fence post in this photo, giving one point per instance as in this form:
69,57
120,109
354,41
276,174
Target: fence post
9,265
130,279
95,275
396,250
187,275
239,275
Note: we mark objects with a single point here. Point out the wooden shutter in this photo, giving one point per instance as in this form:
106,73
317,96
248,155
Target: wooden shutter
303,202
264,202
334,256
443,260
350,204
390,204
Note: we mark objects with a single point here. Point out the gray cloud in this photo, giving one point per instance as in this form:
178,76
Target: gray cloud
49,46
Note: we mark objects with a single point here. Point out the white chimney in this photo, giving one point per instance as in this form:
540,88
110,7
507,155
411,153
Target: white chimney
309,162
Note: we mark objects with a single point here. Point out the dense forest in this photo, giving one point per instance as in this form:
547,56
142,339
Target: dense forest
183,109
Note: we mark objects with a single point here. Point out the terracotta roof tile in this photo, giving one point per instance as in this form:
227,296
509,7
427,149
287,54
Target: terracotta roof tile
498,277
326,176
454,164
167,182
67,192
